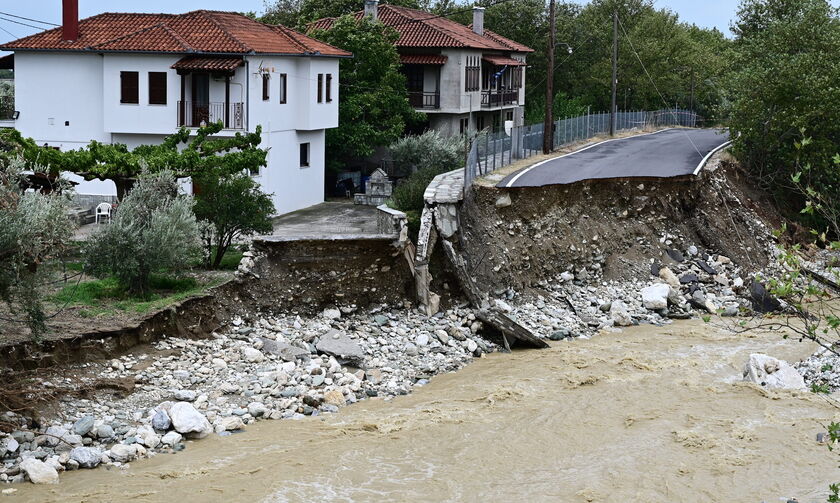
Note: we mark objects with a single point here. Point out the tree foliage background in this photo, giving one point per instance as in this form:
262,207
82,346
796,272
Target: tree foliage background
674,53
373,106
785,89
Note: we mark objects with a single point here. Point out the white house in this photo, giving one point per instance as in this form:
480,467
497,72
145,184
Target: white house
135,78
462,77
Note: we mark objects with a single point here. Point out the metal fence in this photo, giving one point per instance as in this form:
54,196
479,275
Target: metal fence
491,151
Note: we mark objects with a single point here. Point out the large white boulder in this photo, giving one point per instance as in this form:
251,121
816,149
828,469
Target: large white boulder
39,472
620,314
655,297
87,457
122,452
251,355
772,373
188,421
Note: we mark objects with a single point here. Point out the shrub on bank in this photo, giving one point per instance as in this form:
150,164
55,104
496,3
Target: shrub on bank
429,150
154,230
34,227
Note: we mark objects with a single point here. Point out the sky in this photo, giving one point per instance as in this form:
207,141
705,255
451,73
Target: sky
705,13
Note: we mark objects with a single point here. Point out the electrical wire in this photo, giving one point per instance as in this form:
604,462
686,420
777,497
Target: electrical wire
28,19
10,33
667,106
24,24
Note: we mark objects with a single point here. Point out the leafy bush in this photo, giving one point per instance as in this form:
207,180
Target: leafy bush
154,229
34,227
408,195
429,150
785,80
232,207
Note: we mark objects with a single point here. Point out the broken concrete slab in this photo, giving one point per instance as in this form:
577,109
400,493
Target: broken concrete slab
284,350
342,347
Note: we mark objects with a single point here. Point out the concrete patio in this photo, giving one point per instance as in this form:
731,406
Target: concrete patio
329,220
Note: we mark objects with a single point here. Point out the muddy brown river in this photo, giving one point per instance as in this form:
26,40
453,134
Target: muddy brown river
647,415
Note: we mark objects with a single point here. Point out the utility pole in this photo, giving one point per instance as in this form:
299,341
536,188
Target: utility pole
692,90
548,125
614,72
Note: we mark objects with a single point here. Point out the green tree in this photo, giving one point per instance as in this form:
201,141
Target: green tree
298,13
785,81
232,207
373,109
184,153
34,227
154,230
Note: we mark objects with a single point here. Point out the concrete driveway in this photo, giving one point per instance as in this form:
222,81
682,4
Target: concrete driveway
663,154
330,220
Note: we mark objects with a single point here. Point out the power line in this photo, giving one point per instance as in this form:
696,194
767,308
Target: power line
24,24
667,106
10,33
29,19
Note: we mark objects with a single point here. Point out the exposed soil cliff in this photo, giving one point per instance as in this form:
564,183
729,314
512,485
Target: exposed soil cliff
612,228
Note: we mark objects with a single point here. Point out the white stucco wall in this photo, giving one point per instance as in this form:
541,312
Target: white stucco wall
292,185
53,89
84,89
141,117
301,110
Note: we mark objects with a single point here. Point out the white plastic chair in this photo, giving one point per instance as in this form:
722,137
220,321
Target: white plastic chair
103,210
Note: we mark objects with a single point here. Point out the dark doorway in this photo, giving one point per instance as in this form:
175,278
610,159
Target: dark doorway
200,98
414,84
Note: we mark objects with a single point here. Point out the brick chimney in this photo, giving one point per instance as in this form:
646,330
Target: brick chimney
70,20
478,20
372,9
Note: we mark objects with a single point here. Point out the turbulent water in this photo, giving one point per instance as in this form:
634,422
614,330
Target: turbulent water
646,415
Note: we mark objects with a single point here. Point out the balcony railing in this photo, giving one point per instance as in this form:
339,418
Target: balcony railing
424,100
499,98
194,113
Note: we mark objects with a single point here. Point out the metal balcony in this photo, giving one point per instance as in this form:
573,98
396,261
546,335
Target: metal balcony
196,114
491,99
424,100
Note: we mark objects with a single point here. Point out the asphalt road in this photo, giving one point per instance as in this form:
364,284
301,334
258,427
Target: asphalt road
667,153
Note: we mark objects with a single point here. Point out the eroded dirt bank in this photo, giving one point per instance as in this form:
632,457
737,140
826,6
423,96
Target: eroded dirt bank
650,414
613,228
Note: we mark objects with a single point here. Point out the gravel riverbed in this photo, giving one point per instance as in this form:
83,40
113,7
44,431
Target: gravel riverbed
291,367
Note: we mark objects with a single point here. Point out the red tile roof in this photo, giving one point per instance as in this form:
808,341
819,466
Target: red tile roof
514,46
208,63
501,60
422,29
422,59
200,31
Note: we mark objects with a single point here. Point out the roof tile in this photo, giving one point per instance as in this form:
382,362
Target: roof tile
208,63
199,31
422,59
422,29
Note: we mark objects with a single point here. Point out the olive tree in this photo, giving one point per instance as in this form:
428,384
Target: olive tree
34,227
153,230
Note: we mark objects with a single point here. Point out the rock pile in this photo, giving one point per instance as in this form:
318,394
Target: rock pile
271,368
821,370
581,302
